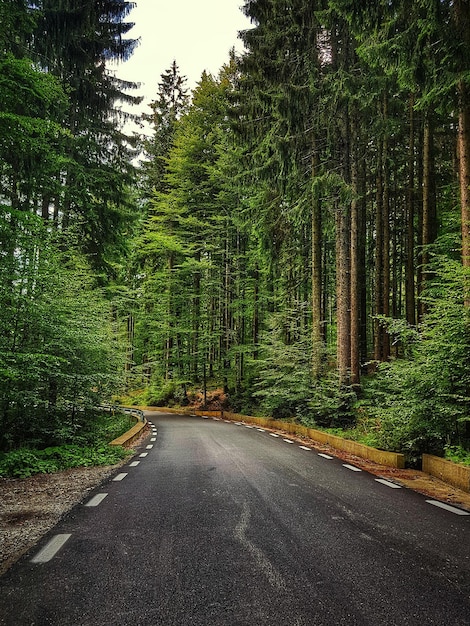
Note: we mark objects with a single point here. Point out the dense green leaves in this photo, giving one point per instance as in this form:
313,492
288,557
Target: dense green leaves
65,208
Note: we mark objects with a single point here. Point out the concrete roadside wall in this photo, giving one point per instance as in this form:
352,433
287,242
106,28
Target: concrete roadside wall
131,435
451,473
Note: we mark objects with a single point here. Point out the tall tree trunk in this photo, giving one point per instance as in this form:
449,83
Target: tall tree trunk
379,256
362,269
343,262
462,22
196,315
343,319
410,293
317,339
429,201
464,175
385,338
355,258
169,321
256,312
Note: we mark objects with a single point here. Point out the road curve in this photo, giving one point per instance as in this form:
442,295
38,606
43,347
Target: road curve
216,523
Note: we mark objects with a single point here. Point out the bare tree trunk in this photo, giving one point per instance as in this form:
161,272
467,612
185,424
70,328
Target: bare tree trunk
169,336
379,246
355,260
429,201
462,22
385,338
362,226
464,176
317,339
410,297
255,327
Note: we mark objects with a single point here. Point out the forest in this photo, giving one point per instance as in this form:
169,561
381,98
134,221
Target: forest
293,235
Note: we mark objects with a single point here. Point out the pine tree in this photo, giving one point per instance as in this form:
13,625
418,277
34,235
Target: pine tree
171,103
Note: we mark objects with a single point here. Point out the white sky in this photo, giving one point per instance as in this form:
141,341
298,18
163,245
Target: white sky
198,34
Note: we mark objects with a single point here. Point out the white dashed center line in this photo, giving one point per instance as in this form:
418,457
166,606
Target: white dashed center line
96,499
325,456
50,549
120,476
387,483
352,468
447,507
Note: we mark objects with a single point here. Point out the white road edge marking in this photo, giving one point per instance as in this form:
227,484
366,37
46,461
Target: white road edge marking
287,441
120,476
51,549
98,499
153,439
143,454
325,456
261,430
447,507
149,447
246,426
134,464
351,467
273,435
387,483
305,448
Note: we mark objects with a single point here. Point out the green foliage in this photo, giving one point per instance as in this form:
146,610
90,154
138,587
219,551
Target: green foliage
161,393
26,462
457,454
330,403
423,403
284,379
85,445
285,386
56,355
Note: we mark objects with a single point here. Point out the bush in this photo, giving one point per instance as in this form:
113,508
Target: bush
26,462
88,447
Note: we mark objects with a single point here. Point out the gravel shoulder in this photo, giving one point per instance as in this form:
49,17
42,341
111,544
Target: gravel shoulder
30,507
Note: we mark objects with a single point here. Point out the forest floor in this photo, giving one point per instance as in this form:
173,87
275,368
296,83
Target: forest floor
29,507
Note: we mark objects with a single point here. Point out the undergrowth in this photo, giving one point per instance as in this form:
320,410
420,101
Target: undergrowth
89,448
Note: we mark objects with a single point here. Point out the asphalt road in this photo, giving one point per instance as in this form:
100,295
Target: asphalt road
222,524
